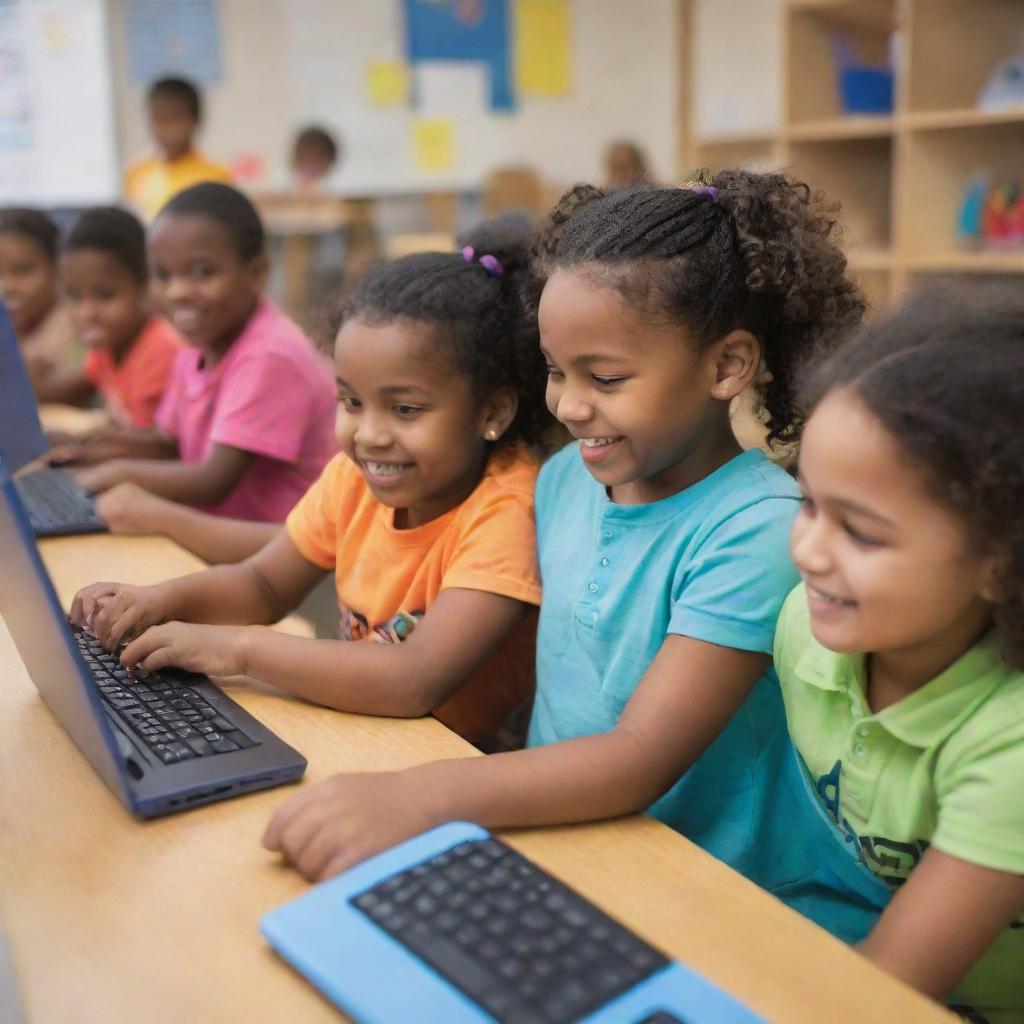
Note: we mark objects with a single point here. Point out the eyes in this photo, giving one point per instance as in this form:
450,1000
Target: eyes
859,537
198,271
404,410
599,381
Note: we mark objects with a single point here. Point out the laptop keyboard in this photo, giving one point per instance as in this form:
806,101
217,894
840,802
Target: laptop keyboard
525,947
53,499
172,718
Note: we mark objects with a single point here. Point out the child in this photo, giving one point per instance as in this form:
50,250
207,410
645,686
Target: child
42,324
246,422
175,113
313,157
662,546
901,657
625,166
426,518
105,281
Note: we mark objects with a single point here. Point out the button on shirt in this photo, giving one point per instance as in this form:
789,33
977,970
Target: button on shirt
943,767
711,562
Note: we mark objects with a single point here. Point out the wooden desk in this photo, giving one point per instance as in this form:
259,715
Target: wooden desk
110,919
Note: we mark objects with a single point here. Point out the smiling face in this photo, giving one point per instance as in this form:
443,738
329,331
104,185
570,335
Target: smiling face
107,301
173,124
413,426
200,281
649,409
28,281
887,568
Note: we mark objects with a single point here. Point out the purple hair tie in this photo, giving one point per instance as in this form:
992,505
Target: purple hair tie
487,261
708,190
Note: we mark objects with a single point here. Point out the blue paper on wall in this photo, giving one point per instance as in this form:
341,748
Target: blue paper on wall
179,37
475,30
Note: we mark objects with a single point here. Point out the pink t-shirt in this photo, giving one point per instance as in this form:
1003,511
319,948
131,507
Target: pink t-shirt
271,394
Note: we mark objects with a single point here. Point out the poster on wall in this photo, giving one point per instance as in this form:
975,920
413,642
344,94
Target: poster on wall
180,37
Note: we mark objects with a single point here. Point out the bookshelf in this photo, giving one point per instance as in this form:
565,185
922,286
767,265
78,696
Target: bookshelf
901,177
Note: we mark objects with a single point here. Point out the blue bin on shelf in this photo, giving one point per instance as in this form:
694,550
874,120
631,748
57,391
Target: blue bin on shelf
866,90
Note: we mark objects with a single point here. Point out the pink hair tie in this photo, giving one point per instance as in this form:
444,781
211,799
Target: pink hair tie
487,261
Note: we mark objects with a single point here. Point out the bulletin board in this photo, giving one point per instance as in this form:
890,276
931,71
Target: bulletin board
58,143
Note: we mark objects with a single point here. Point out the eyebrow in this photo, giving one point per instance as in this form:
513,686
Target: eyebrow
589,357
392,389
852,506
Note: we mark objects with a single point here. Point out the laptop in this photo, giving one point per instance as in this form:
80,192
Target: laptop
456,926
56,504
162,741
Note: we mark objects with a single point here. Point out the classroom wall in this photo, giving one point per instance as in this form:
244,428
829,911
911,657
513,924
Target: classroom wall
625,57
738,67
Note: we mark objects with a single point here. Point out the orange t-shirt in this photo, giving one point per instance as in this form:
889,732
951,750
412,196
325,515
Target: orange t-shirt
132,388
386,579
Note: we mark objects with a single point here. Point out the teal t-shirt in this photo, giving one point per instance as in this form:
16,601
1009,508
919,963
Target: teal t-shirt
711,562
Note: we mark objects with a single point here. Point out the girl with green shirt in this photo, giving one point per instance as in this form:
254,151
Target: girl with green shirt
901,655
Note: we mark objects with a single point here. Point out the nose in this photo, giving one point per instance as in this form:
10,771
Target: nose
372,431
809,545
176,288
569,405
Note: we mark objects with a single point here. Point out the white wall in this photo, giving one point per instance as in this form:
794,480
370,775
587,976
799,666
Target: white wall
289,61
738,61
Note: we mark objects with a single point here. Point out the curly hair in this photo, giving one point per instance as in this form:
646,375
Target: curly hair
111,230
480,321
755,253
942,374
31,224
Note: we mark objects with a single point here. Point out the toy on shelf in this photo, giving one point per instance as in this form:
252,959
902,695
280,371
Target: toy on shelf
863,89
992,216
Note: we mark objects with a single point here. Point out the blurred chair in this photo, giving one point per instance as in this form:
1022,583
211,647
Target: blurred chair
514,189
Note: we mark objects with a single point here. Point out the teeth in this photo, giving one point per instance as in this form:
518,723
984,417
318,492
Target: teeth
385,468
597,442
829,599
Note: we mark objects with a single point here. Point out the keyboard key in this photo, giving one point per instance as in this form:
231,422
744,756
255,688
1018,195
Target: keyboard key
525,947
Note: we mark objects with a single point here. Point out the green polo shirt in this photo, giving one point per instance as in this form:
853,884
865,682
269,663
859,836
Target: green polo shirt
943,767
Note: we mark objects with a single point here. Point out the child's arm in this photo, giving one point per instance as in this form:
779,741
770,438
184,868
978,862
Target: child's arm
407,679
263,588
195,483
688,694
116,443
127,508
942,920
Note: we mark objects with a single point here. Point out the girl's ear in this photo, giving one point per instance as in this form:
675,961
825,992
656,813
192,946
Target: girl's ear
259,269
737,357
497,413
992,572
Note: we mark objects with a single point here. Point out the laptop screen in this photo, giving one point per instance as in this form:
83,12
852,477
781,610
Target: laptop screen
39,627
21,436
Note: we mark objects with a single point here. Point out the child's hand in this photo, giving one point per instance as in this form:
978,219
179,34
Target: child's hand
128,508
326,828
209,650
96,479
114,612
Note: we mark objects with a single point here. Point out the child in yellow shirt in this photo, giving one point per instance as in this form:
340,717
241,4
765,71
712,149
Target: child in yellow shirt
175,113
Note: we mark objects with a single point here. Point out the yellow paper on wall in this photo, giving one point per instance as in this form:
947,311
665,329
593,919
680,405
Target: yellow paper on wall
542,45
433,144
387,83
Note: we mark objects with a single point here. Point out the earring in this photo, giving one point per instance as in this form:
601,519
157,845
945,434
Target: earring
491,435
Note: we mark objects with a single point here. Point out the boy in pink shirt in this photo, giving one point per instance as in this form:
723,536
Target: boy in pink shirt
247,420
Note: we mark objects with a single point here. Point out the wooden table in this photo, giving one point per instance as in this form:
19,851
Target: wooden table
111,919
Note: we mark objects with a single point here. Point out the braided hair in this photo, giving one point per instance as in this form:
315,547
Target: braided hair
942,375
479,318
751,252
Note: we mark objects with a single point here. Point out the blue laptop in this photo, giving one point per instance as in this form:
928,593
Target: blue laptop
162,741
456,927
55,503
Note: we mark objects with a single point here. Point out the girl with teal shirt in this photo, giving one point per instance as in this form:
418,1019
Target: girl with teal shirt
663,546
901,657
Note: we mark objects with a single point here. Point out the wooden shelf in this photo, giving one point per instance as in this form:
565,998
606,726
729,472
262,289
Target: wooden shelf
849,127
870,259
969,262
900,179
935,120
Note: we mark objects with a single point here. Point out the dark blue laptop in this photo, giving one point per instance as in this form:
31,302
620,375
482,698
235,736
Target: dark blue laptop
162,741
55,503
